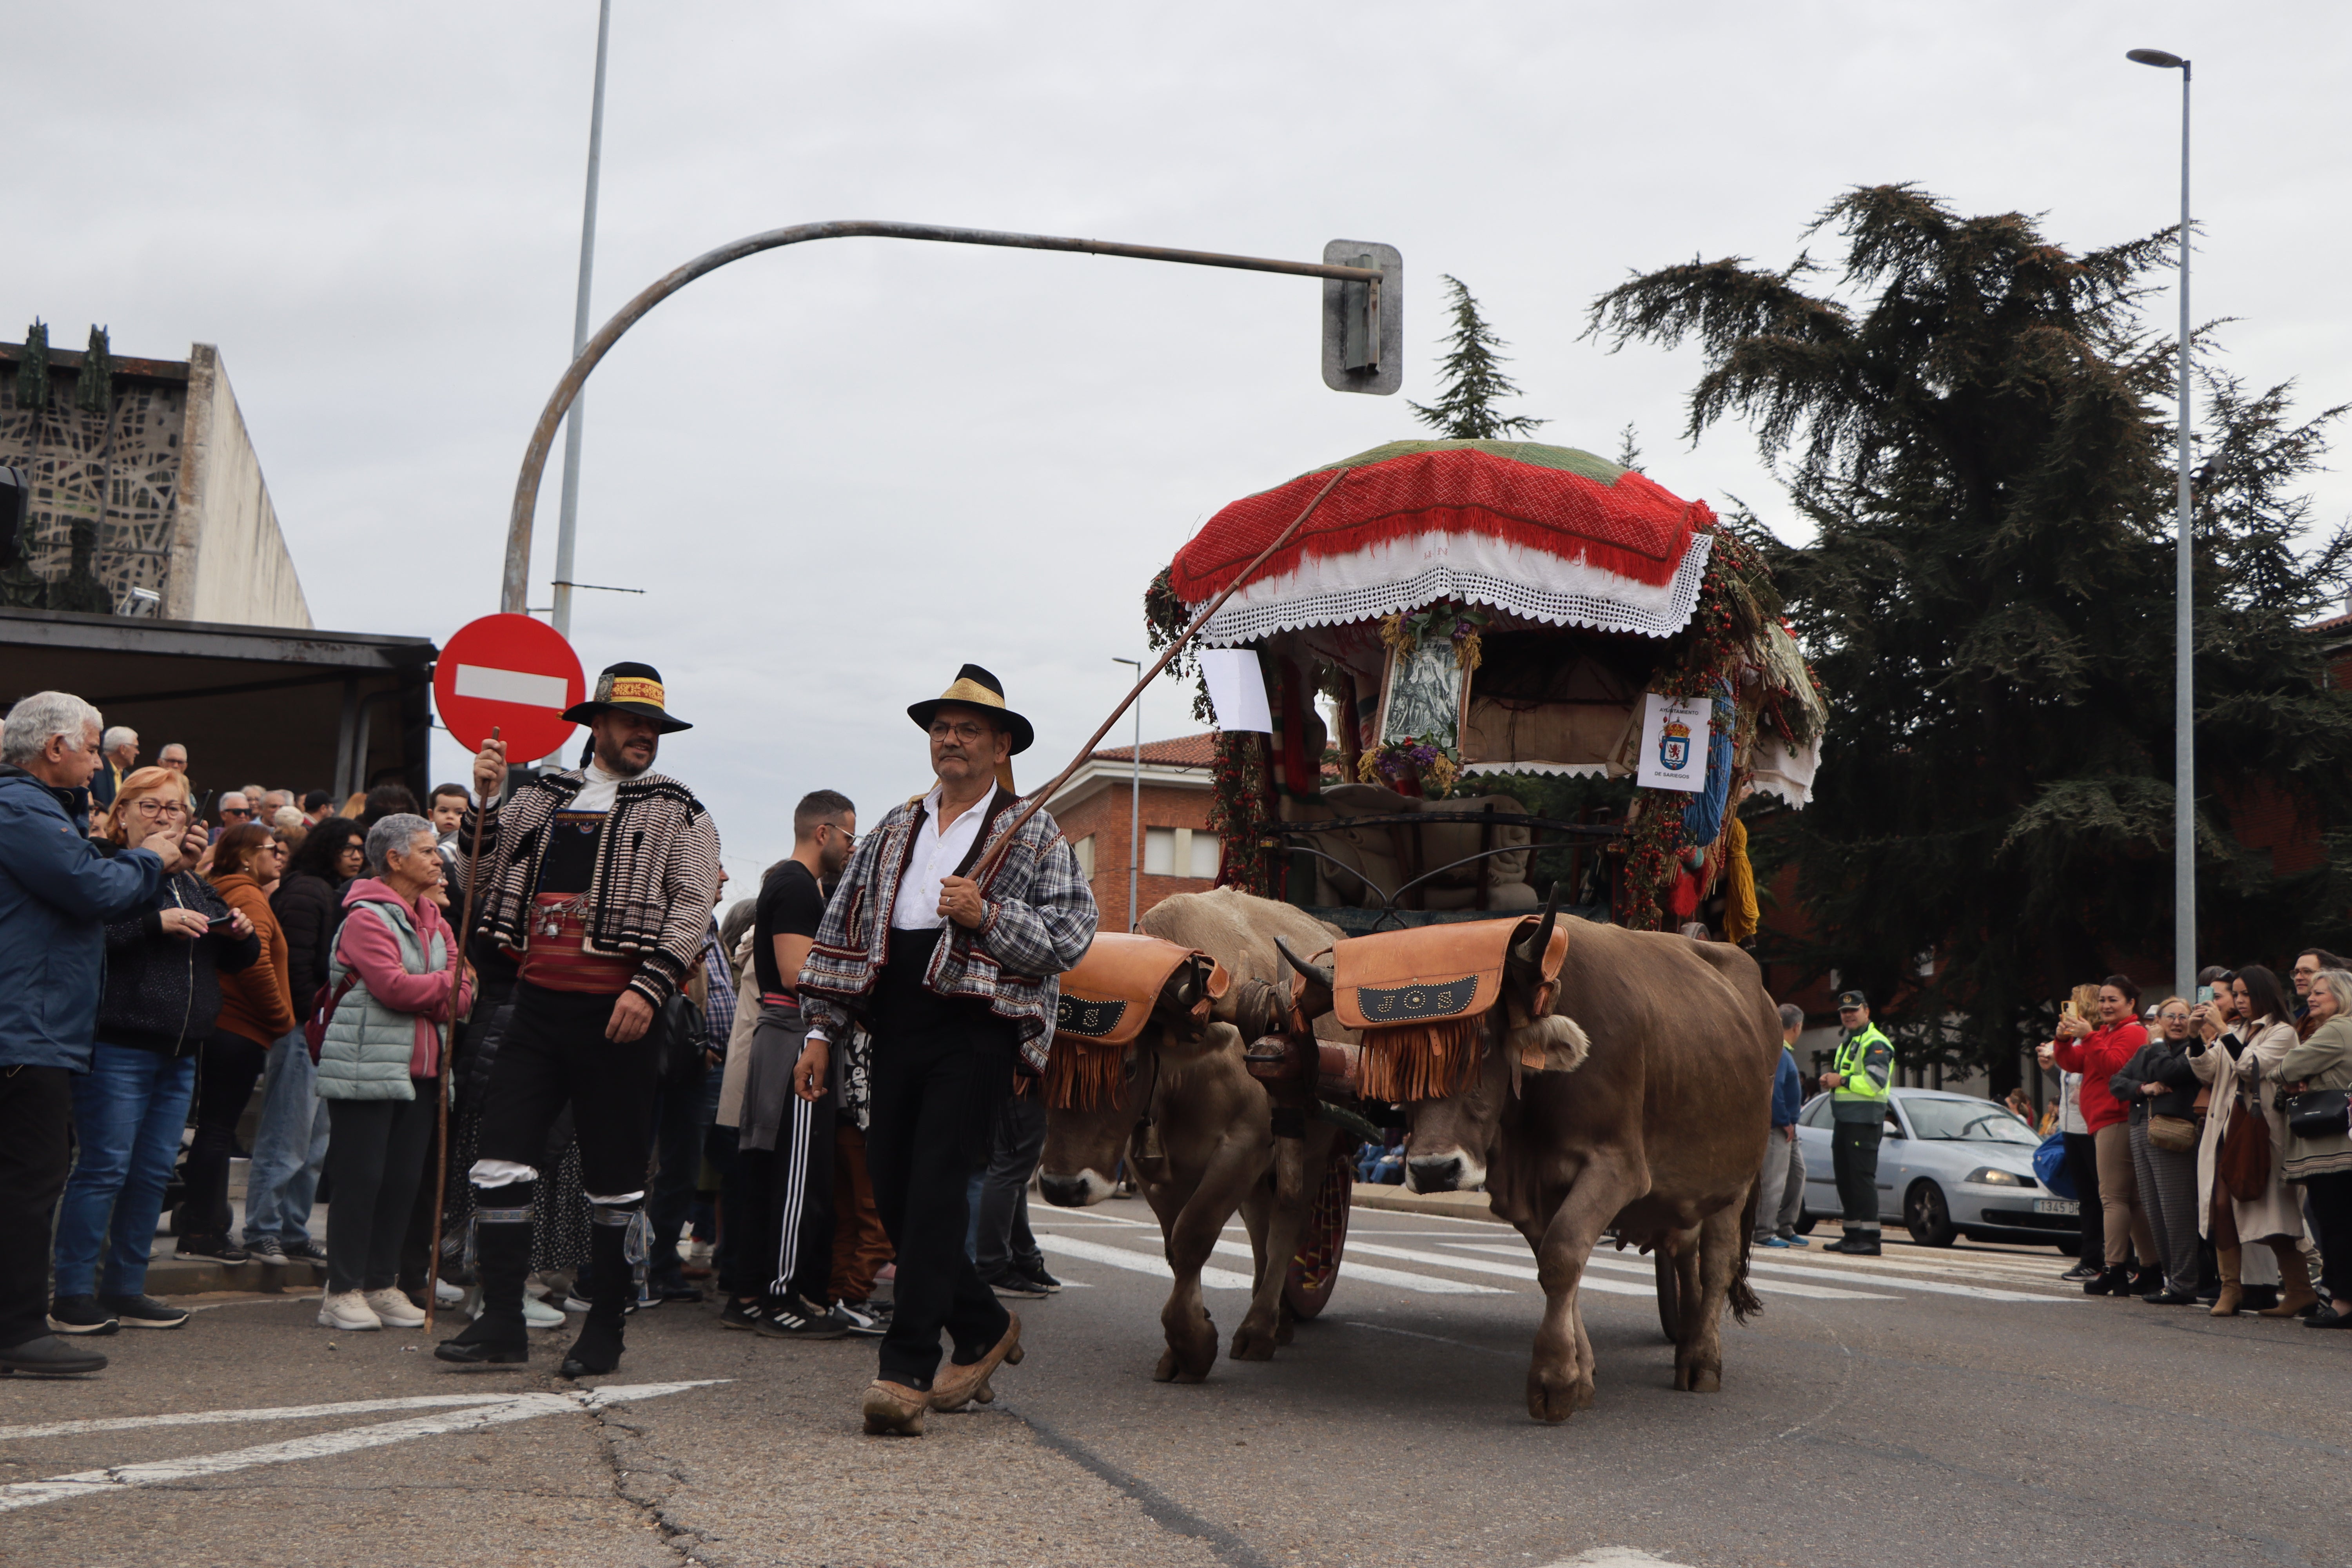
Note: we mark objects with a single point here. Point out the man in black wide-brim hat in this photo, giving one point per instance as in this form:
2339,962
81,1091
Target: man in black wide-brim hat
956,977
601,879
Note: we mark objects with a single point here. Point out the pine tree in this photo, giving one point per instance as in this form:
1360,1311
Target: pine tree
1975,422
1474,382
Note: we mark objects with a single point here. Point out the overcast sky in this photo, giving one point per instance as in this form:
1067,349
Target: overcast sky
841,469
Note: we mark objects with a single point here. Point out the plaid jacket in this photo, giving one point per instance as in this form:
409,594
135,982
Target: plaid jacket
1041,920
656,880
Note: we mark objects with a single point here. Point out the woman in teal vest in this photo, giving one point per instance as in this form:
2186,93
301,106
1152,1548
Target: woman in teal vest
380,1069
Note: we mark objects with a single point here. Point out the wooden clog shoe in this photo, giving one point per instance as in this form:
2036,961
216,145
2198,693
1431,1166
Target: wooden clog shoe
956,1386
893,1408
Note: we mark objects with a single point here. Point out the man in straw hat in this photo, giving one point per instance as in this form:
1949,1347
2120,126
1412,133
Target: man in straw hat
601,879
956,975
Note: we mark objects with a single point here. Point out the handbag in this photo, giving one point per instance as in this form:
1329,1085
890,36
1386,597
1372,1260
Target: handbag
2318,1113
2050,1164
2176,1133
2244,1164
677,1030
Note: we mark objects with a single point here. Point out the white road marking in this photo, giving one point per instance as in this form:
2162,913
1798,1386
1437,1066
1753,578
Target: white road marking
1768,1287
1613,1557
494,685
264,1413
1426,1284
1818,1271
1139,1262
484,1411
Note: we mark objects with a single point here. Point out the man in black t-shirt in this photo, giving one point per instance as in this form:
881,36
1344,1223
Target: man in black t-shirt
784,1160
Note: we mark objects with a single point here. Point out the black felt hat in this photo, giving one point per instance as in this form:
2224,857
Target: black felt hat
627,689
975,687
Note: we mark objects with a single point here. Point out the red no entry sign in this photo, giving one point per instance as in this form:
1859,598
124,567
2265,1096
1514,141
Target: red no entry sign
511,672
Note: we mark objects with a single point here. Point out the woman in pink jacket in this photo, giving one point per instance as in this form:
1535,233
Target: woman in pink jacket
2098,1053
379,1067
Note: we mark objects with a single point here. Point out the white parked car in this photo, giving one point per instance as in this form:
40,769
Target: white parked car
1950,1165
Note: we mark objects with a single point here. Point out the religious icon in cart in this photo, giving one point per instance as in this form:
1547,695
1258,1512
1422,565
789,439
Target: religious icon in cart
1674,745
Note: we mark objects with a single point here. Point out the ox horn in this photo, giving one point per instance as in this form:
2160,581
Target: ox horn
1531,953
1321,973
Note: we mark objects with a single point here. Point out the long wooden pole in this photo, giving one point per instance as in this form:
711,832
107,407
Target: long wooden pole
448,1067
1037,801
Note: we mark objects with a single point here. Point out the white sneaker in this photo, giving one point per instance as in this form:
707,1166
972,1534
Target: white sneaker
395,1311
348,1310
449,1295
539,1315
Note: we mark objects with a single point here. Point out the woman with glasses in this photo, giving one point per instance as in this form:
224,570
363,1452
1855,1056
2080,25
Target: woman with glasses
257,1012
163,993
2161,1089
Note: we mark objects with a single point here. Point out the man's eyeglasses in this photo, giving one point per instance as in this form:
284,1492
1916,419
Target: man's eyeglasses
235,811
967,732
847,838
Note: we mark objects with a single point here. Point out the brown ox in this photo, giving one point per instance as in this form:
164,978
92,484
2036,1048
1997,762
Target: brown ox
1209,1147
1658,1135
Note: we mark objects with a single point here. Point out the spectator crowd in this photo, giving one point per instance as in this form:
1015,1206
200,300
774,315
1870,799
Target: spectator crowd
261,975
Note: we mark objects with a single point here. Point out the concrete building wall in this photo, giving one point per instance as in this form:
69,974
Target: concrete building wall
229,562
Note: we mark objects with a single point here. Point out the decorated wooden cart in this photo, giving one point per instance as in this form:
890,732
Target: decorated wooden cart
1456,616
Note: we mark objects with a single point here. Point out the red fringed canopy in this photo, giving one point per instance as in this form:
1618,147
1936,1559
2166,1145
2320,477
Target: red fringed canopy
1564,502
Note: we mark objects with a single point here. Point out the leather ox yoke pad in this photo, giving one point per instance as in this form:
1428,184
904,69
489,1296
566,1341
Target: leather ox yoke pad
1422,996
1428,973
1105,1001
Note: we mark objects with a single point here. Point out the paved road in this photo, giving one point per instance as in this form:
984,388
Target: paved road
1949,1408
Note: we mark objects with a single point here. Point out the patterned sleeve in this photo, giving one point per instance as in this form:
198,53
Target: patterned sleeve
827,1018
1049,930
690,887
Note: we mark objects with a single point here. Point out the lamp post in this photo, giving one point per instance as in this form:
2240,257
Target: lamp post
2184,713
567,523
1135,802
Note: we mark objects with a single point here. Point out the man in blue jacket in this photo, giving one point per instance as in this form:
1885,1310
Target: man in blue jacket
1780,1187
58,890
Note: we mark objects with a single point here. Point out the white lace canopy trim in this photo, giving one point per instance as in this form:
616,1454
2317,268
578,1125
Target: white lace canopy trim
1404,574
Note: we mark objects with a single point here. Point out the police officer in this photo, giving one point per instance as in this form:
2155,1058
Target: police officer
1860,1072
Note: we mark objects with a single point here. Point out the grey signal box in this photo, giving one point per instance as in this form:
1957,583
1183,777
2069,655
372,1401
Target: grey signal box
1363,325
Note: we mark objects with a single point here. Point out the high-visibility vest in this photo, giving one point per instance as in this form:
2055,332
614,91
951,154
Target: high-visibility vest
1853,1083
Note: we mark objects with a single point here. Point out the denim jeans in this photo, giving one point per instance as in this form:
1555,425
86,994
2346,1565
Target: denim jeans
128,1113
289,1147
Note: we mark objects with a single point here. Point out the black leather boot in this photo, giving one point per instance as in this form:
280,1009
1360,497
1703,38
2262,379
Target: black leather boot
502,1256
597,1350
2114,1282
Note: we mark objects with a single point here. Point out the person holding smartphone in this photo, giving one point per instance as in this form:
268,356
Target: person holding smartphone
163,994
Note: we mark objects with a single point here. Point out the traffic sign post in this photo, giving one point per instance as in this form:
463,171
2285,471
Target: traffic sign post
513,674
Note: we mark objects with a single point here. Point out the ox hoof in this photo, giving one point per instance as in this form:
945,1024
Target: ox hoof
1555,1402
1700,1379
1252,1343
1166,1370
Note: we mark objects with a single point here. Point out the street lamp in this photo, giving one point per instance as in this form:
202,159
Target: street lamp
2184,745
1135,802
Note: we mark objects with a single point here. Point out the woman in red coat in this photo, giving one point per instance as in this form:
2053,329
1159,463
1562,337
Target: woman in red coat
2098,1054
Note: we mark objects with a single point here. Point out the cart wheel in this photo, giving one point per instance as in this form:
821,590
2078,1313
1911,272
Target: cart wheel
1670,1298
1316,1268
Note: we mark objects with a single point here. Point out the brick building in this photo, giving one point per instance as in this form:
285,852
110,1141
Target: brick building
1179,853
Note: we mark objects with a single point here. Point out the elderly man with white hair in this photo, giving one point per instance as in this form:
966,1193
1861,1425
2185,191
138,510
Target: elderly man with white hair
120,750
58,890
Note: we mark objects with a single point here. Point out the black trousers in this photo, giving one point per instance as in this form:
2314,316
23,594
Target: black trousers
228,1066
941,1070
554,1054
1853,1156
2083,1165
36,1123
2331,1216
784,1203
376,1150
1005,1240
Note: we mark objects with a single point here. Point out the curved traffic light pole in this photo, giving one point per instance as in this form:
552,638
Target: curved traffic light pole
542,438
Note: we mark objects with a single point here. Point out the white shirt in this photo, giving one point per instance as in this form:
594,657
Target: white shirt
937,855
599,792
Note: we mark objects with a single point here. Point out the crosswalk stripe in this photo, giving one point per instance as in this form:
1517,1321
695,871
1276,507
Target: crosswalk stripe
1769,1286
1896,1282
1139,1262
1367,1273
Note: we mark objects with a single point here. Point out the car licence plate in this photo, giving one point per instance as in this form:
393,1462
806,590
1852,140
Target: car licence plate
2057,1206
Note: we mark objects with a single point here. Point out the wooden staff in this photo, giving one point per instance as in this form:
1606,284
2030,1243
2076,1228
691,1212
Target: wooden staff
988,864
449,1066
